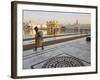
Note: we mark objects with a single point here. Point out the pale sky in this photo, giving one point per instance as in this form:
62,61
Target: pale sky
41,17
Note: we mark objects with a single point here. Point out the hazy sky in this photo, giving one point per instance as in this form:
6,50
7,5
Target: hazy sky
41,17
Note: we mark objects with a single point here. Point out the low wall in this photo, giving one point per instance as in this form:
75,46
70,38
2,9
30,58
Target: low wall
47,43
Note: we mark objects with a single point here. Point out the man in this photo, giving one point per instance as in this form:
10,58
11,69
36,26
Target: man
38,39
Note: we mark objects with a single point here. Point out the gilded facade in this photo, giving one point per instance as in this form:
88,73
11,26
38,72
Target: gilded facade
52,27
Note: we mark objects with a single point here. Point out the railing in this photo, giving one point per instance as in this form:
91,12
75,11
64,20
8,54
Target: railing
63,33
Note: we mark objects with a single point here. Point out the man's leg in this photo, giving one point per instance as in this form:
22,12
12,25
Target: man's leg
36,45
42,46
35,48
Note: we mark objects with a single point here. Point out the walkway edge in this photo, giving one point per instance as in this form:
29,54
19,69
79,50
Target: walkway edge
47,43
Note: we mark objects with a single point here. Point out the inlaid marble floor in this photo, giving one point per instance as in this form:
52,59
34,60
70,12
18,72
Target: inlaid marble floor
78,48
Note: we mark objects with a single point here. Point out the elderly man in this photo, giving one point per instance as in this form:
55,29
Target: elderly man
38,39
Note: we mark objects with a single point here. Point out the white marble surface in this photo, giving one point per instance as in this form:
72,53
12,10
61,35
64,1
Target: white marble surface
78,48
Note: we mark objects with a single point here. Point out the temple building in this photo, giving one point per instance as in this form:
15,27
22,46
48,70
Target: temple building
52,27
78,28
28,28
